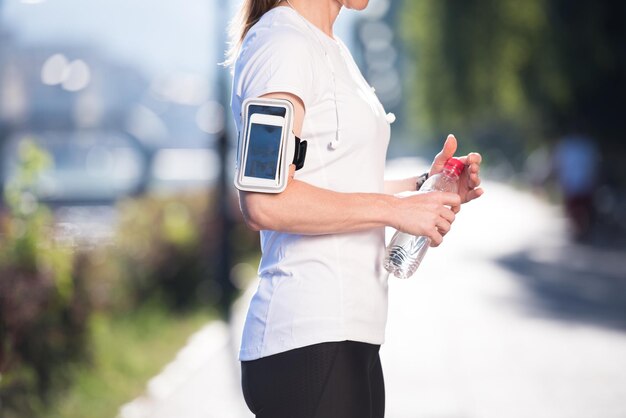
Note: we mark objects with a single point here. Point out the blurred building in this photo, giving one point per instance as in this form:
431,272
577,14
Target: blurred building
74,104
4,36
379,54
104,123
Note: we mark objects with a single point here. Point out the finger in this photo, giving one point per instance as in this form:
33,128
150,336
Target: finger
435,238
447,151
443,226
448,215
438,199
472,173
474,158
474,168
474,194
471,160
455,209
292,171
474,180
448,199
449,148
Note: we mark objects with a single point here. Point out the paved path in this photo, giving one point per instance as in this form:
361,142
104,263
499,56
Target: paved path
506,320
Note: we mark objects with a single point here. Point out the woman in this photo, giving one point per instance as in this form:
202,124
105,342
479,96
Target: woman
314,327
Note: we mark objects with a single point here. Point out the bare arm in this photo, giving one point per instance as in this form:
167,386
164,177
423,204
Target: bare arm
306,209
400,185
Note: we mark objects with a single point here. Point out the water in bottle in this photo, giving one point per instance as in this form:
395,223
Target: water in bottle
405,252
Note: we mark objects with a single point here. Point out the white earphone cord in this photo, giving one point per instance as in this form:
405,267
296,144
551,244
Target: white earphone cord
334,144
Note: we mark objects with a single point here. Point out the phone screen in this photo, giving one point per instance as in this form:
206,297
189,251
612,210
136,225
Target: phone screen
263,150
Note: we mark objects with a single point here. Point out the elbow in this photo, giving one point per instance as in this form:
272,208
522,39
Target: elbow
254,211
252,222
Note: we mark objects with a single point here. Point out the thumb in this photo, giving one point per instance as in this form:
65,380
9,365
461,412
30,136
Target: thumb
292,171
448,150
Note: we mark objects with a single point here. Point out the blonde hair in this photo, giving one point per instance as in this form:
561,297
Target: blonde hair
249,13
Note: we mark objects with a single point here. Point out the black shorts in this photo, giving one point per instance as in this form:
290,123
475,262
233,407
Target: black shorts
328,380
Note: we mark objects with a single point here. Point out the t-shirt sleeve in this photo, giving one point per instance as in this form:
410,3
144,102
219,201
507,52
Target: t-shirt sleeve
277,61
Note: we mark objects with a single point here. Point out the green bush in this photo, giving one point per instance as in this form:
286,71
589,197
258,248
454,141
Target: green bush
155,254
43,309
127,351
161,254
163,249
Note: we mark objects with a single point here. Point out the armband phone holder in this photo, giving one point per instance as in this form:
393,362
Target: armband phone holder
267,146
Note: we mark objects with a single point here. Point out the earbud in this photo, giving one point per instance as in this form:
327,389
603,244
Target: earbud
334,144
391,118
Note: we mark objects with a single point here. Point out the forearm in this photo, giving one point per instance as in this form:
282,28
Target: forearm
401,185
306,209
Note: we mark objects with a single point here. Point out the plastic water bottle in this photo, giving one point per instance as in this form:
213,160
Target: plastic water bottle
405,252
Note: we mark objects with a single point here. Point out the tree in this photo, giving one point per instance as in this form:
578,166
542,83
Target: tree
514,75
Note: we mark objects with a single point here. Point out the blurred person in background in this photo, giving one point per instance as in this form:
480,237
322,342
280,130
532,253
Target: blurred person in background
576,161
315,325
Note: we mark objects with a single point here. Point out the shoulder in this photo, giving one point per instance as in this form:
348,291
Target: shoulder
277,55
279,30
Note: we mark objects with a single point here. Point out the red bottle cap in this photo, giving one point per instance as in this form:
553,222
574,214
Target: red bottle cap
455,165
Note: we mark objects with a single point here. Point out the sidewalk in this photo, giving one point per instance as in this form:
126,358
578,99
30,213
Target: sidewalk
508,320
202,382
505,320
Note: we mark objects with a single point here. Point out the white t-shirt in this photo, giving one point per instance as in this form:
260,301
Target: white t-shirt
322,288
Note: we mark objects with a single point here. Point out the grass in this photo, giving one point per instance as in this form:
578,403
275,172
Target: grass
127,352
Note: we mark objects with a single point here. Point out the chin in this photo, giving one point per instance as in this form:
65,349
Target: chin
354,4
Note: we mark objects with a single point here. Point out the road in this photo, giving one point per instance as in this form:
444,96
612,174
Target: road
505,320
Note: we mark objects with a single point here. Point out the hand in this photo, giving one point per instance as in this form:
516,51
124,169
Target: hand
292,173
470,178
426,213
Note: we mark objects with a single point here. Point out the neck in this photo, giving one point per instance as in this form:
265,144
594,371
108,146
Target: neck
320,13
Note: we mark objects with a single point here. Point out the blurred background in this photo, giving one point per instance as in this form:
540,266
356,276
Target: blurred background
125,268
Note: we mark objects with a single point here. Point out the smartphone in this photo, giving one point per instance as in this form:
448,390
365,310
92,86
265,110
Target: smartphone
262,152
